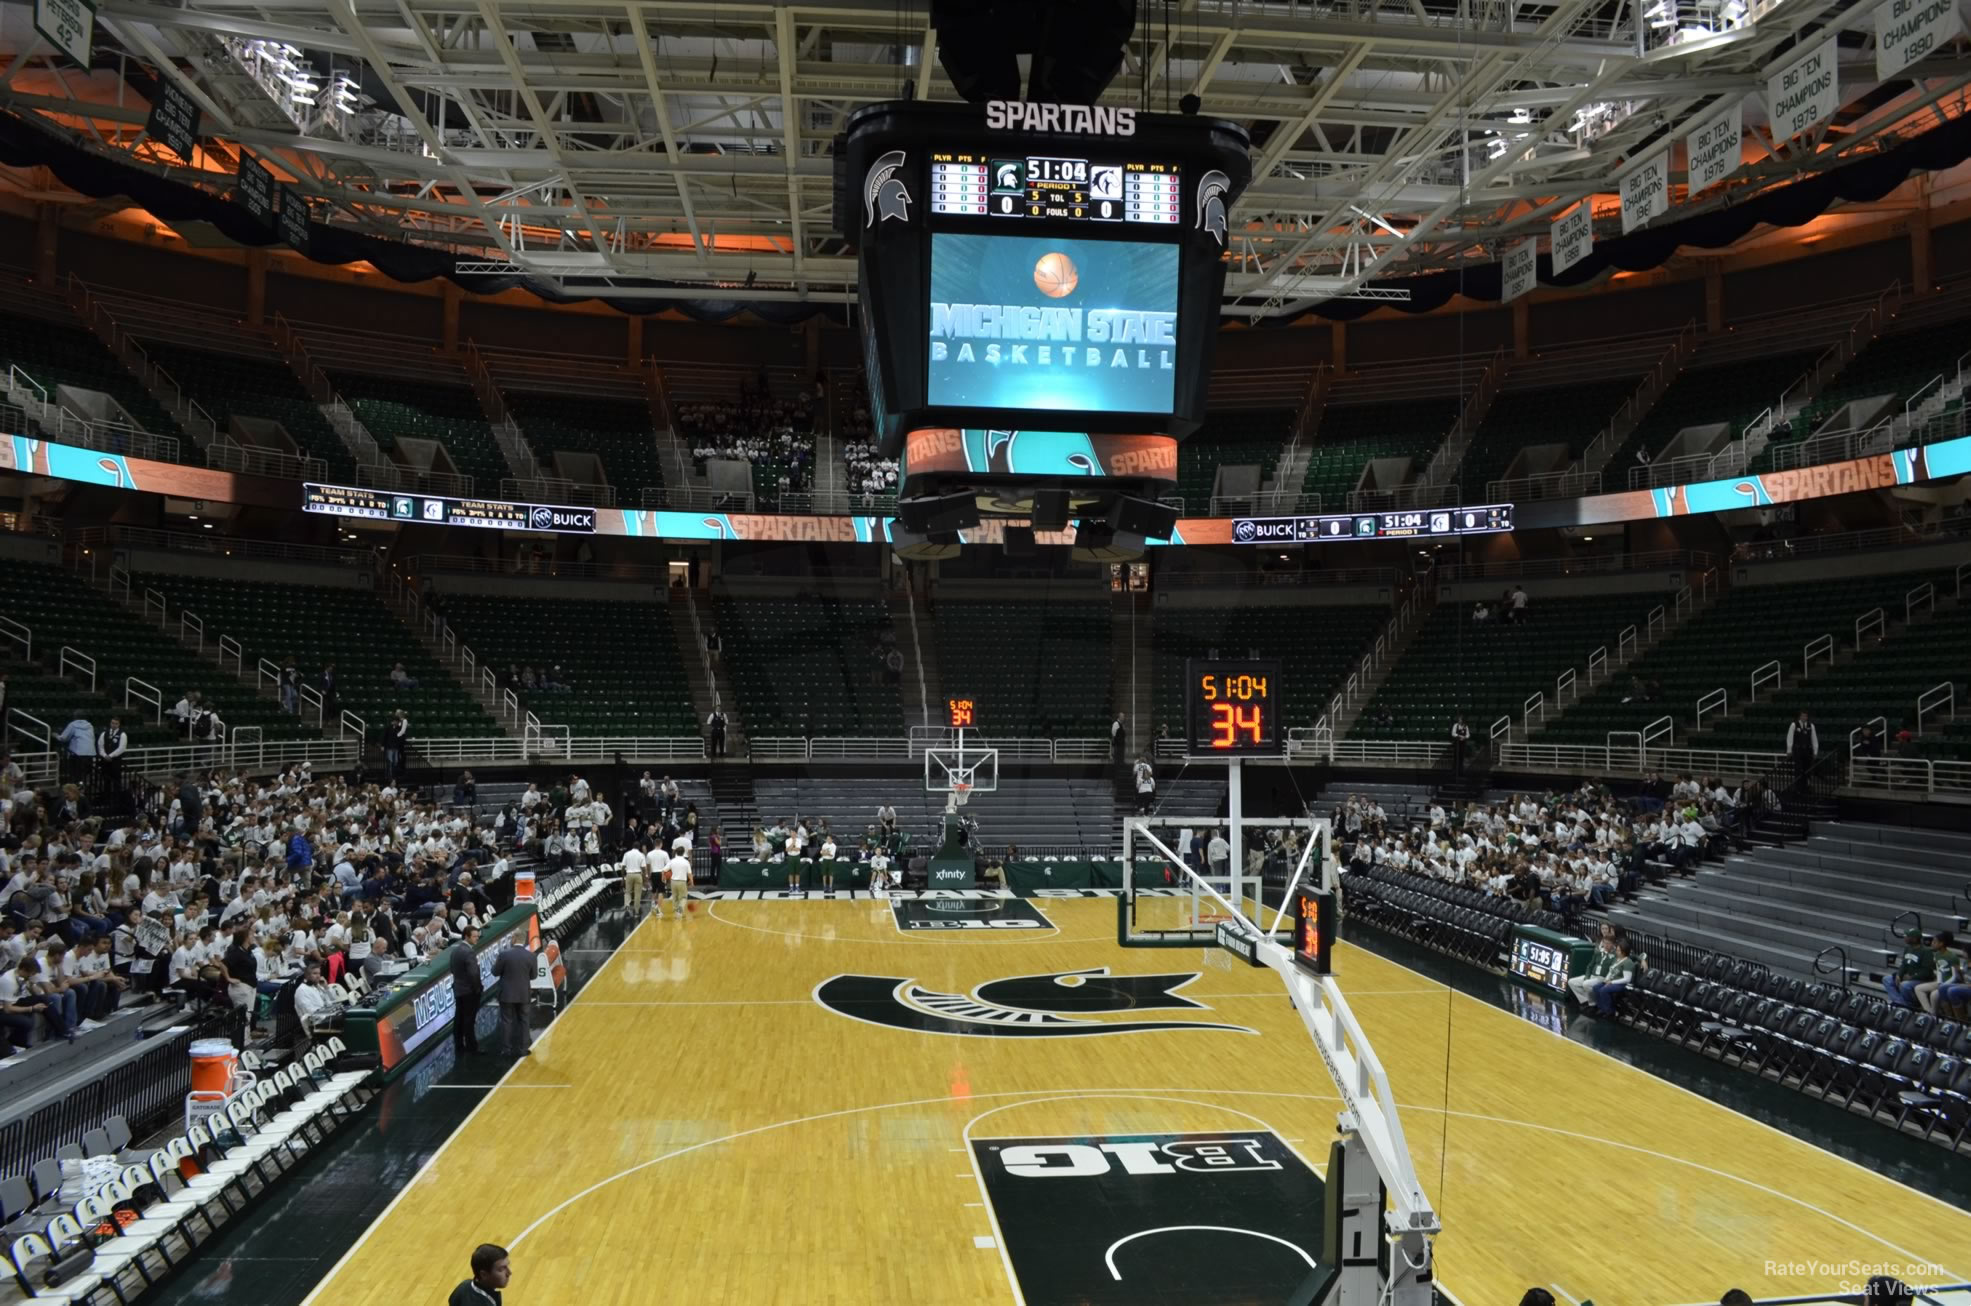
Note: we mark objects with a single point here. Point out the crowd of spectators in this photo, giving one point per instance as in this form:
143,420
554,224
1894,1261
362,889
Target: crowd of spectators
221,888
1567,852
757,427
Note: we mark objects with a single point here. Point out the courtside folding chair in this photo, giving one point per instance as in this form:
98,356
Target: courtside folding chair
30,1254
112,1263
199,1164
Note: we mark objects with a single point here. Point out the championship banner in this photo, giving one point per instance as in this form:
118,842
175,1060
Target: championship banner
1521,268
1715,148
1806,92
1646,191
1573,237
1907,30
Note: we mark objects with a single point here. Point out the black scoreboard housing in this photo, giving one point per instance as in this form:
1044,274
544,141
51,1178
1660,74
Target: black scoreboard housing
895,251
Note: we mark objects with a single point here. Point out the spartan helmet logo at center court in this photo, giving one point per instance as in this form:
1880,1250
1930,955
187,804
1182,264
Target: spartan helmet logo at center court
883,194
1211,203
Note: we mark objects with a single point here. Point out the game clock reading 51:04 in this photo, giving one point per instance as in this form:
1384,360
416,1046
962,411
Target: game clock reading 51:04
1231,708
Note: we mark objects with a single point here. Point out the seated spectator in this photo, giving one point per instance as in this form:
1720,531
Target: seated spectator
402,679
1915,965
317,1008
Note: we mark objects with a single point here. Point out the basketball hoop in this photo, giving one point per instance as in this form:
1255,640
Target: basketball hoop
961,794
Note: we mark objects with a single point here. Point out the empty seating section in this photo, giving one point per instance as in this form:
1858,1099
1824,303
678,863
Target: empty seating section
577,404
809,665
1885,681
1039,669
230,385
1348,439
619,660
1255,437
1485,671
1519,419
616,431
59,353
61,609
1894,365
34,689
1722,646
1316,647
319,624
1734,393
394,409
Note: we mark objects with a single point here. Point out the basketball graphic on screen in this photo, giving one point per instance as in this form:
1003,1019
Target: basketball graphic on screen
1055,275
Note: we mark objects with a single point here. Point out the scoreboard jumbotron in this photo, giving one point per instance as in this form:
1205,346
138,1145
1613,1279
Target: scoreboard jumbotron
981,183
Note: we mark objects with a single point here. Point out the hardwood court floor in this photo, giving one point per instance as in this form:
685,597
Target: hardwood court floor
698,1128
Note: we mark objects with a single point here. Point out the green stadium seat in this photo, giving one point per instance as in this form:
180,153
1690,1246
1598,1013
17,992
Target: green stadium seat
1230,439
618,432
618,658
1455,666
59,353
317,624
228,385
395,409
809,661
1039,670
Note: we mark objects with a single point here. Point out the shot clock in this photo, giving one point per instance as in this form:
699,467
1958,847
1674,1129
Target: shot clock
1231,709
961,713
1313,931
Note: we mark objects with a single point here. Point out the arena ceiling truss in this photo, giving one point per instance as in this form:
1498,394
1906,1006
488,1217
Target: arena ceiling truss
672,149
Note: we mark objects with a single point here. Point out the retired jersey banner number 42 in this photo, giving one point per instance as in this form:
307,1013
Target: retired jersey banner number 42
68,25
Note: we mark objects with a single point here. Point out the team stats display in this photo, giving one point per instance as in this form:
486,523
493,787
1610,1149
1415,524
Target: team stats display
979,183
1061,325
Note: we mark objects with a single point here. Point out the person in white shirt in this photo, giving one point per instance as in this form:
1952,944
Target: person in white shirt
828,862
886,817
314,1005
1146,785
881,881
680,874
796,842
635,863
1218,853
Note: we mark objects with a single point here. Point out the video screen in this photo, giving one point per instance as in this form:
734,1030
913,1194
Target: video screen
1053,324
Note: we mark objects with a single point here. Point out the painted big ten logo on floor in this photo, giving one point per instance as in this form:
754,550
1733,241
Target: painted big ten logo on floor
1135,1156
1118,1220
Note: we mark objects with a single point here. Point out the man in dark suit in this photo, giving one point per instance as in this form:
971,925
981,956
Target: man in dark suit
467,991
513,970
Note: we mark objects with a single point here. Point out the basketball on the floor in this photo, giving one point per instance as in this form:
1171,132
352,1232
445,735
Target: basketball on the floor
1055,275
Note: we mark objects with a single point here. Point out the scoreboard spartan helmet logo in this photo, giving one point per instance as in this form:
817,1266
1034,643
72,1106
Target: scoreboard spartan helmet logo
1211,203
883,195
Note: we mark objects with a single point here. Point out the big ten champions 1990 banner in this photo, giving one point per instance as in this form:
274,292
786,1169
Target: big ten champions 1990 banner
1052,323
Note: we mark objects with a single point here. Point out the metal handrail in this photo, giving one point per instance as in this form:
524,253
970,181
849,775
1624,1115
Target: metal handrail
82,662
1769,674
1718,700
1928,701
142,691
1873,620
1834,949
1813,648
1896,929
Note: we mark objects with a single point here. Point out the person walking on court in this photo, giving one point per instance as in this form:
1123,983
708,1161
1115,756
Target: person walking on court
467,991
636,861
513,971
491,1272
680,872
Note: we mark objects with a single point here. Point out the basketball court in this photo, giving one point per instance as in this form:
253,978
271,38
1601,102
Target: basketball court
805,1100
